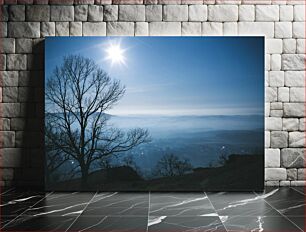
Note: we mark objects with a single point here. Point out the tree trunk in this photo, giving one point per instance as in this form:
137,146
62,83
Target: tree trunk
84,171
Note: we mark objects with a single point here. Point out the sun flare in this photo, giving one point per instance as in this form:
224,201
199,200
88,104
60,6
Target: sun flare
115,54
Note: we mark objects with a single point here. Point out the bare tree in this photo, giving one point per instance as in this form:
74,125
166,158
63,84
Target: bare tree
171,165
78,94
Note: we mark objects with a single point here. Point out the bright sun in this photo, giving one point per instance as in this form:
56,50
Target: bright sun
115,54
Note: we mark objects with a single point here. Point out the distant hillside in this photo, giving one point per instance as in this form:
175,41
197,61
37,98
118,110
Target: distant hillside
241,172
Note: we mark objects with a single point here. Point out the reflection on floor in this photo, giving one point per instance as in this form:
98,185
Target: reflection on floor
274,210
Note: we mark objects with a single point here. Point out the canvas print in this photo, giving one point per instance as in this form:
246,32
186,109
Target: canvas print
154,113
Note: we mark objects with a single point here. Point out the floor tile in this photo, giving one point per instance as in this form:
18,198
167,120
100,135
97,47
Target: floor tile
14,203
299,221
107,204
246,204
180,224
61,204
301,190
259,223
180,204
42,223
110,224
287,201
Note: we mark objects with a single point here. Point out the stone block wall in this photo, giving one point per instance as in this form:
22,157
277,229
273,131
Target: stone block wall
25,23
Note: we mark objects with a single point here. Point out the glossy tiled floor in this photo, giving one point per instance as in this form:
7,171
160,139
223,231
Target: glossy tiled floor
275,210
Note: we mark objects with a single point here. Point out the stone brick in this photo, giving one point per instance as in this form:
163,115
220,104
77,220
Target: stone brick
299,13
7,45
154,13
61,2
62,13
111,12
84,2
298,30
300,47
150,2
191,29
38,13
294,110
246,13
271,94
276,106
95,13
6,124
80,12
301,174
128,2
131,13
23,45
18,123
279,139
293,61
230,28
276,62
223,13
296,139
302,124
4,15
16,62
275,174
274,46
11,110
193,2
24,29
293,157
62,28
256,28
276,113
297,183
17,13
164,28
165,2
267,109
47,29
197,13
230,2
286,13
8,138
141,29
283,30
297,94
94,29
294,78
2,62
120,28
267,13
289,45
9,78
267,138
175,13
274,183
103,2
212,28
273,123
272,158
267,62
3,29
291,174
290,124
284,183
276,78
9,94
75,29
11,157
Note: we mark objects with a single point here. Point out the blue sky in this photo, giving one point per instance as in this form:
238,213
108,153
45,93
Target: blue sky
176,75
